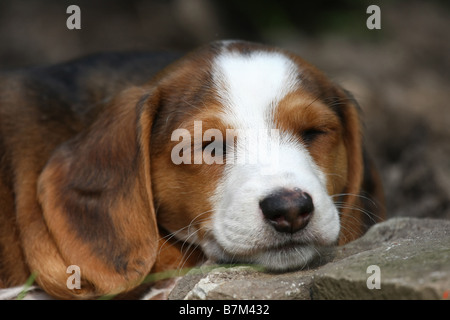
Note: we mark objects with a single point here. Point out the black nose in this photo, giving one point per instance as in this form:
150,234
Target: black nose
287,210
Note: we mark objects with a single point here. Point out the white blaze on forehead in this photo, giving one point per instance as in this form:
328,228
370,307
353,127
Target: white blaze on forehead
250,85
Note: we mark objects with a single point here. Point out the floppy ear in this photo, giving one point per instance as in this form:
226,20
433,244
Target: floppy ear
95,194
362,198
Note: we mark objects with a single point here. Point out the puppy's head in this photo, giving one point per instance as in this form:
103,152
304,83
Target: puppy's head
253,151
247,151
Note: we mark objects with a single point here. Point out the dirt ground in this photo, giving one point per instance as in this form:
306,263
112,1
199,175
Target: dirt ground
400,74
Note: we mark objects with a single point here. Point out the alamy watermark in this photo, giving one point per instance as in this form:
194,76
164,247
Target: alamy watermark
74,280
374,20
73,22
374,280
255,146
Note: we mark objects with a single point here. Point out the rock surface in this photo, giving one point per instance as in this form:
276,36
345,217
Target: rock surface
411,258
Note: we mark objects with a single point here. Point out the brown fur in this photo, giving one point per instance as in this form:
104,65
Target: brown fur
86,176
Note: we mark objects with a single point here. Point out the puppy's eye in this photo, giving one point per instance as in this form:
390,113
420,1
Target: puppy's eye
205,144
310,135
215,147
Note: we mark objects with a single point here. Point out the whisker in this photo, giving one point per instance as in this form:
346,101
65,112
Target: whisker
191,234
186,255
190,224
355,195
373,217
174,234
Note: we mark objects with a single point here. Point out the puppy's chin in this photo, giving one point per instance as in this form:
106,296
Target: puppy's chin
278,259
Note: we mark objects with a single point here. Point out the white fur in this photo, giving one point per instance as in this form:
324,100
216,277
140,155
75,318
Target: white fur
250,87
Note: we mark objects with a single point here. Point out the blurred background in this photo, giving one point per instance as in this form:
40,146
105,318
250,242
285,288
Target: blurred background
400,74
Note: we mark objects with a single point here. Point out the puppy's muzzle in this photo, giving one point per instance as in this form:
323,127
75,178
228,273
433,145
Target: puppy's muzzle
287,210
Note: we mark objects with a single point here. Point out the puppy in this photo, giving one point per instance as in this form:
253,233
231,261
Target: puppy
117,163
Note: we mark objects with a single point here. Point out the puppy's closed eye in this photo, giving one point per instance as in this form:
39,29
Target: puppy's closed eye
310,135
216,147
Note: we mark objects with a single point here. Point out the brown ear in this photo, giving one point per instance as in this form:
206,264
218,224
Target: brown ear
360,206
95,194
